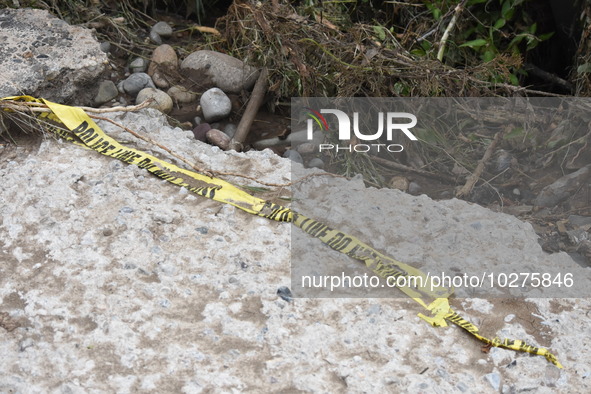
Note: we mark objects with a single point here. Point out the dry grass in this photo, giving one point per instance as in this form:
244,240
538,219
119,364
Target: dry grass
310,56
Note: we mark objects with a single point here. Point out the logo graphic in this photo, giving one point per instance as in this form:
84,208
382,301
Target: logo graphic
390,119
318,118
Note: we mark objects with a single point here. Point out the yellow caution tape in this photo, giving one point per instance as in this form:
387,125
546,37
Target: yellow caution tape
436,300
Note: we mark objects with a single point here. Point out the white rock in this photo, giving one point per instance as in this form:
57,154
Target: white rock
215,105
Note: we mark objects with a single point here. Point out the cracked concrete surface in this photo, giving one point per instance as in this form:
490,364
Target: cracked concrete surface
113,280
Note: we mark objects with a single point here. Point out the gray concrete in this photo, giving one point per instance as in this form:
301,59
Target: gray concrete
114,280
43,56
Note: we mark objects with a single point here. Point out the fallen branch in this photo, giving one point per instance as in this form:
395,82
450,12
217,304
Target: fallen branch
23,107
452,23
473,178
256,99
549,77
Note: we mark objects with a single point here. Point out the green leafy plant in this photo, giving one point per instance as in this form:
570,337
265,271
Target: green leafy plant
487,30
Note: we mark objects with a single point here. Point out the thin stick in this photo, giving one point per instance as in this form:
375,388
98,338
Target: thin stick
21,107
151,141
209,173
402,167
39,107
473,178
452,23
256,99
130,108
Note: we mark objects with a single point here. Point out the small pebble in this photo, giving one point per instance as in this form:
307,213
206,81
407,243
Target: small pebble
107,91
163,29
414,188
155,38
218,138
285,293
293,156
200,132
445,194
106,46
138,65
230,130
181,95
160,81
316,163
162,101
135,82
306,148
399,182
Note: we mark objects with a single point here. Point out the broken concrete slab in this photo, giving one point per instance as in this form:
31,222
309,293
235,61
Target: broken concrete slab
44,56
114,280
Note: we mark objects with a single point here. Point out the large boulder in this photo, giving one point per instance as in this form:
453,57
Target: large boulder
226,72
42,55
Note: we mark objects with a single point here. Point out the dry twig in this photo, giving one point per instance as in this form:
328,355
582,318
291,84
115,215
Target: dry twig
24,107
472,179
402,167
442,44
